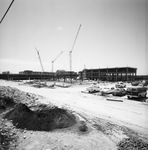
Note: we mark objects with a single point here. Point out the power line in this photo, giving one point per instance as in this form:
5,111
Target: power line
6,11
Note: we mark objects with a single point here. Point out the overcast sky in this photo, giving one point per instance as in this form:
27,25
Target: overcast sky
113,34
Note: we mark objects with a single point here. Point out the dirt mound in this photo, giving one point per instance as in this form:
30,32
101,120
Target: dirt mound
17,96
6,102
10,96
40,120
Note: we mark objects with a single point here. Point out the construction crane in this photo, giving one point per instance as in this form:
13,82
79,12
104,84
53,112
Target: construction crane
70,52
55,60
40,60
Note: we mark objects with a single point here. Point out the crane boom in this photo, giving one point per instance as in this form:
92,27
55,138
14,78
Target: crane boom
55,59
57,56
75,38
40,60
70,52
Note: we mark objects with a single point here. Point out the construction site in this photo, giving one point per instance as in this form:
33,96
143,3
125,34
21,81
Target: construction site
96,108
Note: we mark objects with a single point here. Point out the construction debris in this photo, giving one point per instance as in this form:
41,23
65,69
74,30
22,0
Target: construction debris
7,136
132,144
114,99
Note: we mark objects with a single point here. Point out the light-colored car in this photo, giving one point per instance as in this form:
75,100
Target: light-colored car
120,85
93,89
107,90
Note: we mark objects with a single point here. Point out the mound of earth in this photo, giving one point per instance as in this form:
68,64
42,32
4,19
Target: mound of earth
10,96
40,120
6,102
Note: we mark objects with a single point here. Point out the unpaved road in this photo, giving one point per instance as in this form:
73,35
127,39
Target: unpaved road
130,113
93,108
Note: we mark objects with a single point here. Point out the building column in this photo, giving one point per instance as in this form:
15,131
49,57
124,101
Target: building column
99,74
116,74
91,74
107,74
135,74
126,74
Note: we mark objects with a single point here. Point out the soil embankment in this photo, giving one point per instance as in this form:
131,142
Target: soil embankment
24,112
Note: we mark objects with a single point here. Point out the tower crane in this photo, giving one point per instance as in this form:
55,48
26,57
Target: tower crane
40,60
70,52
55,60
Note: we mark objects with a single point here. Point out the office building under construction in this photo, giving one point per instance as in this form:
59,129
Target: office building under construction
109,74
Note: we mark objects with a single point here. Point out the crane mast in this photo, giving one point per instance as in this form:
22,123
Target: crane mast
55,60
40,60
70,52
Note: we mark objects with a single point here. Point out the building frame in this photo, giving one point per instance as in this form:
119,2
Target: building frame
109,74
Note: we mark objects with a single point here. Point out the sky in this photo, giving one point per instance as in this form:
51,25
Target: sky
114,33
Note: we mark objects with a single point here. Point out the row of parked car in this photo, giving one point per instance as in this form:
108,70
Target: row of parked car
120,89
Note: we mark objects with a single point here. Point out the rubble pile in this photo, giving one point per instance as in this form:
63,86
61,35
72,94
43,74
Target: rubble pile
126,139
132,143
7,137
40,120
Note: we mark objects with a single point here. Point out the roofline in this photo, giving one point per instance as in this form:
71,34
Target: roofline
111,68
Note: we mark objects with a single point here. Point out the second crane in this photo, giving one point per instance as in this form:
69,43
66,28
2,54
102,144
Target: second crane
55,60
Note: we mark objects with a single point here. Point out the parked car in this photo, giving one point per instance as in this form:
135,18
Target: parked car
135,83
119,92
120,85
93,89
107,90
145,82
136,92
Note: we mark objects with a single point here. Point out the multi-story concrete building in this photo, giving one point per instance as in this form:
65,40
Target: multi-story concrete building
109,74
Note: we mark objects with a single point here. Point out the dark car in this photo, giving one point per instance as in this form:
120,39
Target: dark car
136,92
119,92
135,83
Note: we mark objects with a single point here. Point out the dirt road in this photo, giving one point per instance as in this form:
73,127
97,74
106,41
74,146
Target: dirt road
130,113
107,121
